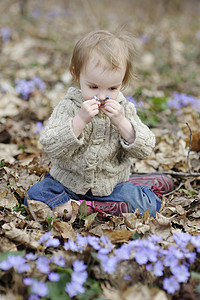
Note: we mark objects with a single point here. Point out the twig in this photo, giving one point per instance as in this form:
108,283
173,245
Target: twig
188,156
172,192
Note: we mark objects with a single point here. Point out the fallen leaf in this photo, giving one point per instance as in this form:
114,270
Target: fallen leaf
119,236
20,237
39,210
65,229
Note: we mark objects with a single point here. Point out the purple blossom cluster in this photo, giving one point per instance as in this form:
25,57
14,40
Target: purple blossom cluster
135,102
5,34
180,100
78,278
175,260
26,87
170,264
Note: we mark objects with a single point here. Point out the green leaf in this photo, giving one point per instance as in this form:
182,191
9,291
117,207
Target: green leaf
136,236
92,216
92,289
195,275
83,210
187,192
57,289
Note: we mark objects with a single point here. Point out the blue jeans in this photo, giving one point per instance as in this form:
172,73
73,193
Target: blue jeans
53,193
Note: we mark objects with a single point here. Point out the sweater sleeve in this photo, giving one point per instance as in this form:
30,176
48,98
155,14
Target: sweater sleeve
144,140
57,138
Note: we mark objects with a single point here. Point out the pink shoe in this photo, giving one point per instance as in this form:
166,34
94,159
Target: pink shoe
155,181
112,208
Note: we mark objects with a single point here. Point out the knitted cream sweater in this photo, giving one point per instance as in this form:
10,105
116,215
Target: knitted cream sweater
99,158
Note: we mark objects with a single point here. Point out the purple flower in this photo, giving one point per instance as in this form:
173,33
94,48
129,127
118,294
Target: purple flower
109,264
79,266
154,238
16,261
28,281
54,276
45,237
31,256
181,273
43,265
136,103
3,89
5,265
108,246
52,243
58,260
170,285
39,288
124,252
81,242
182,239
149,267
26,87
79,277
132,100
5,33
170,260
141,257
40,84
73,289
158,268
94,242
127,277
71,245
39,127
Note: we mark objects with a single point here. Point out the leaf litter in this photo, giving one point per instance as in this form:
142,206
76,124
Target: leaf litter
168,63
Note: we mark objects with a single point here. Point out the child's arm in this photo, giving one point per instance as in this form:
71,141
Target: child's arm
115,112
140,139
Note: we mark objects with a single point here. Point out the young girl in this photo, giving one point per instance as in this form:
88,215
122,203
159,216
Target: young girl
94,133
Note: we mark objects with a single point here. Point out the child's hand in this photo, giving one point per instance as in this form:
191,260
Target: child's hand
89,109
114,111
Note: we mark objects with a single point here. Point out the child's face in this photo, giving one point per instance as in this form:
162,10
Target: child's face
97,81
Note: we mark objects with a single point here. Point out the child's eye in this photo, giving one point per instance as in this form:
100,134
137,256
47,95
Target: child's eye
93,87
112,88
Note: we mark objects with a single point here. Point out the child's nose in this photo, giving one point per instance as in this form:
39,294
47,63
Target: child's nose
101,95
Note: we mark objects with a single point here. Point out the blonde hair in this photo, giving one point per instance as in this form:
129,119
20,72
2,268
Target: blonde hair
115,48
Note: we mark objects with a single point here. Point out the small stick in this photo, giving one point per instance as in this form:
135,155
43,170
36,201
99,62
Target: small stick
189,149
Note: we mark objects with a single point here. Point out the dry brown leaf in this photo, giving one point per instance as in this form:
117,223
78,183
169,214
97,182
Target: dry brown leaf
7,245
180,210
7,200
195,142
130,220
99,229
162,220
65,229
118,236
75,210
20,237
39,210
162,230
183,201
141,292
